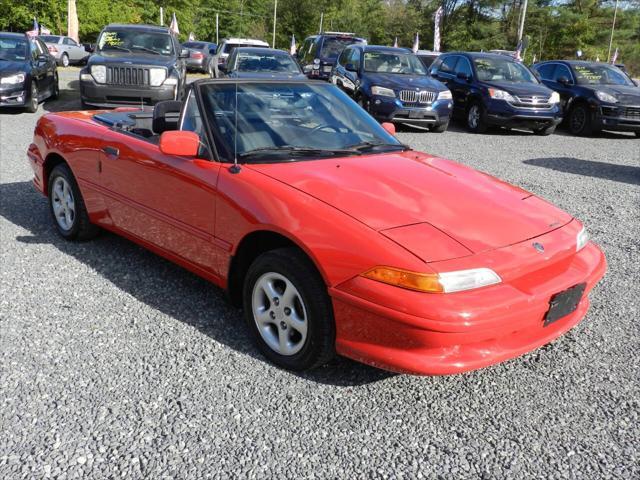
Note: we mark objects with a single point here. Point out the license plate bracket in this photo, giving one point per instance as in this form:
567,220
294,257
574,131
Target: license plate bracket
564,303
416,114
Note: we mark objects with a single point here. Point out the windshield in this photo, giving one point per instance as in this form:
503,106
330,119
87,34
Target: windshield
285,121
333,46
402,63
600,75
13,49
136,41
50,38
265,62
495,69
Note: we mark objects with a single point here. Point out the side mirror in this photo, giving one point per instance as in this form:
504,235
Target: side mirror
180,142
463,76
350,67
184,53
563,80
390,128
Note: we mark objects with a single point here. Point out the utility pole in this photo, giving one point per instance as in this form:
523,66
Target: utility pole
523,14
275,18
613,26
72,20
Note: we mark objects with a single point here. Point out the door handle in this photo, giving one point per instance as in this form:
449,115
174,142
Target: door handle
111,151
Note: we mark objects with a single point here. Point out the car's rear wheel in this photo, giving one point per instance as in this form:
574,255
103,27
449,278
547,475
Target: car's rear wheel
545,131
439,128
64,60
32,106
476,122
67,206
580,122
288,311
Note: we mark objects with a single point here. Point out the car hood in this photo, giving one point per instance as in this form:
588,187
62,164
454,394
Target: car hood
624,93
119,58
521,88
404,82
9,67
269,76
392,190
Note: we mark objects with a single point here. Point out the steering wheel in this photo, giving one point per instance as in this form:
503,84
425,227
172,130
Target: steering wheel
325,125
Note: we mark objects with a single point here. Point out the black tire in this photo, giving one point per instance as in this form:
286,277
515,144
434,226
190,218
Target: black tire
319,346
543,132
55,92
480,124
580,121
439,128
32,106
637,134
64,60
81,228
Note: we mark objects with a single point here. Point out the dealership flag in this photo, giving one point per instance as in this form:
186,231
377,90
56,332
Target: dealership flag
35,31
395,43
518,54
174,24
292,48
44,30
192,37
436,29
416,43
614,59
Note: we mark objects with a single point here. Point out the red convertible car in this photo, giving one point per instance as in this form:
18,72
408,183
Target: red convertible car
332,235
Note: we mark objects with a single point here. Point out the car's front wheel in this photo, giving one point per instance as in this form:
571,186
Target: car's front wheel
441,128
580,122
55,89
476,122
67,206
64,60
545,131
288,311
32,105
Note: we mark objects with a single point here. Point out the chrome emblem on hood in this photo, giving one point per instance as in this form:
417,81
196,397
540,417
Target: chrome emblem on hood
538,246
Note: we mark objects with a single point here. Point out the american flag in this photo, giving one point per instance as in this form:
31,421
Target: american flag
614,59
518,55
35,31
416,43
436,29
292,48
174,24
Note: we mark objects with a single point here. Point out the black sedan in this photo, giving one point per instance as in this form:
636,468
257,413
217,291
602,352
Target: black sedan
28,73
594,96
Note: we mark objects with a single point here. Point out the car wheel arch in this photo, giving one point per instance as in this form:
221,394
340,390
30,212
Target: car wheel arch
51,162
251,247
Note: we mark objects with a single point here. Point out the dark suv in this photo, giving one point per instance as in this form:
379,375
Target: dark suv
318,53
492,89
134,65
594,96
393,85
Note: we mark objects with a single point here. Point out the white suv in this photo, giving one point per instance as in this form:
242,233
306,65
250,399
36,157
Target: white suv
225,48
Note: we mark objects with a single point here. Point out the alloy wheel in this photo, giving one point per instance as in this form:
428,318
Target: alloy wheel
473,117
65,60
578,119
63,203
279,313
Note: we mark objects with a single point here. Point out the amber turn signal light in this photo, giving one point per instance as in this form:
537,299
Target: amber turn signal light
420,282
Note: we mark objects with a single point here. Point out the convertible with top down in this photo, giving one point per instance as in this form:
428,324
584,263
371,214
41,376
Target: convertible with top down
333,236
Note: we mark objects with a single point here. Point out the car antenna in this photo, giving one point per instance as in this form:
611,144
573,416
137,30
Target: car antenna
235,168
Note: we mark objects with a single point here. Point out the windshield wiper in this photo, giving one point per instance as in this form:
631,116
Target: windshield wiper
297,151
147,50
115,47
371,146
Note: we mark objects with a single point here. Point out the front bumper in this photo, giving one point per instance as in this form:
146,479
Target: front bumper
103,95
503,114
14,95
387,109
440,334
619,118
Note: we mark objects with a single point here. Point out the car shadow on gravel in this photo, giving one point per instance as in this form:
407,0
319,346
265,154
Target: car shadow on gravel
160,284
590,168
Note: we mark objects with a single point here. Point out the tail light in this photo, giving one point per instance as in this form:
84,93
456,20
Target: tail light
197,55
52,49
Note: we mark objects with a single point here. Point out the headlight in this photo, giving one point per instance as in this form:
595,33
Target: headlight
554,98
157,76
447,282
500,95
316,61
582,239
444,95
605,97
12,79
99,73
382,91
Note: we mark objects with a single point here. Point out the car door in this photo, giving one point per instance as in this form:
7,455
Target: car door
167,201
445,72
39,66
565,90
461,83
73,49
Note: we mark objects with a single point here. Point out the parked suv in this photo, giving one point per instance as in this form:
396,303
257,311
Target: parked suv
392,84
134,65
318,53
492,89
65,49
226,47
594,96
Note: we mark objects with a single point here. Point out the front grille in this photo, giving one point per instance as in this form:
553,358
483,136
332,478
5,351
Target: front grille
531,101
631,112
128,76
411,96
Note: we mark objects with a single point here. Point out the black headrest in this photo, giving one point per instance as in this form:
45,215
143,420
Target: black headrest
160,121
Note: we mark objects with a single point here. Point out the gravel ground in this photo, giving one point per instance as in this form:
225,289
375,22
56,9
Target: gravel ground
117,364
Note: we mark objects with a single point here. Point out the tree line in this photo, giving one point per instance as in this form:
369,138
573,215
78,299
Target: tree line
553,28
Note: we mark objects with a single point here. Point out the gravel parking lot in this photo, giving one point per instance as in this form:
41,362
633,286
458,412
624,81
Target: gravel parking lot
114,363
